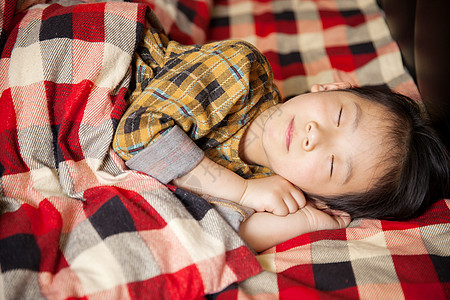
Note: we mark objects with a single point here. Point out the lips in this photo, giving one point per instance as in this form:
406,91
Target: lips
289,132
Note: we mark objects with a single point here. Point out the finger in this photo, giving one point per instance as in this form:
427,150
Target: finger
280,209
291,203
342,222
343,218
299,197
336,212
317,88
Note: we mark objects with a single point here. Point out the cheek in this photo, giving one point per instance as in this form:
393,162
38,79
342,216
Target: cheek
299,172
269,133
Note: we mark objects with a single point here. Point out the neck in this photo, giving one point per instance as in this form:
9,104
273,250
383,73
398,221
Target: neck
251,148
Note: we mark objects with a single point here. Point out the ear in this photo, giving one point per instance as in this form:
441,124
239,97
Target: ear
330,86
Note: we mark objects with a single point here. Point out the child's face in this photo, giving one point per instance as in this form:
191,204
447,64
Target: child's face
327,143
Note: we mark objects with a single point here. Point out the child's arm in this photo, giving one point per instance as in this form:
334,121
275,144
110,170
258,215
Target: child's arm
272,194
264,230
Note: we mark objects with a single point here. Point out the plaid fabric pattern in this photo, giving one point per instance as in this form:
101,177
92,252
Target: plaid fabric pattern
186,21
64,71
371,259
133,238
7,10
308,42
212,92
312,41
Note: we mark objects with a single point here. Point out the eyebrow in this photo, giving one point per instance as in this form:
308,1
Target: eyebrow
349,162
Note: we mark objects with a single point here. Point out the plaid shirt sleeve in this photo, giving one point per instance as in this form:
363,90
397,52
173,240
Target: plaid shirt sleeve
197,89
172,156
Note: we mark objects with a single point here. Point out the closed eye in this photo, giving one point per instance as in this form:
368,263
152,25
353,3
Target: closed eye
332,165
339,118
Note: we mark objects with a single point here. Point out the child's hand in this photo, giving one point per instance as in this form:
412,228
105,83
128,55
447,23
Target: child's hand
318,219
272,194
264,230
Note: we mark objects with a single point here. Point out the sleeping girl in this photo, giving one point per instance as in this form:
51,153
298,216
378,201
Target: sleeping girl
210,120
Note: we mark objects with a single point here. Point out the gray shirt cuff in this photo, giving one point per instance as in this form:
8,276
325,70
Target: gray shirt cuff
170,157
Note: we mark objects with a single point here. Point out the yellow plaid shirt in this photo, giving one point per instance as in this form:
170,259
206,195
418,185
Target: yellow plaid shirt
212,92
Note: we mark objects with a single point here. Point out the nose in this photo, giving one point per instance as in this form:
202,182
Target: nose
312,137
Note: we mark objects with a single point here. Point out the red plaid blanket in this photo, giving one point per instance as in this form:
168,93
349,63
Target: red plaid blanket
74,223
371,259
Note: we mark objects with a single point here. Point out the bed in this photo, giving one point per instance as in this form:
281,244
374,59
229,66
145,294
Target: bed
75,223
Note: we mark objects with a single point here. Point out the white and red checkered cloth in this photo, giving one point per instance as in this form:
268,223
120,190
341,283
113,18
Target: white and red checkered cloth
76,224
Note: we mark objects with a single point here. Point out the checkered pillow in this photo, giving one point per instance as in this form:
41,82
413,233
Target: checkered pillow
185,21
315,41
371,259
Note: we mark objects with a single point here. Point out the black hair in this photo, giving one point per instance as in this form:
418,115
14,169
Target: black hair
417,173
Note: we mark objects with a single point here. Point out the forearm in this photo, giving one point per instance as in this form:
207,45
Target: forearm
213,179
264,230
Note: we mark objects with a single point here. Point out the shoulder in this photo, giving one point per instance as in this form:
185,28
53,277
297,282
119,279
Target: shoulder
242,47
